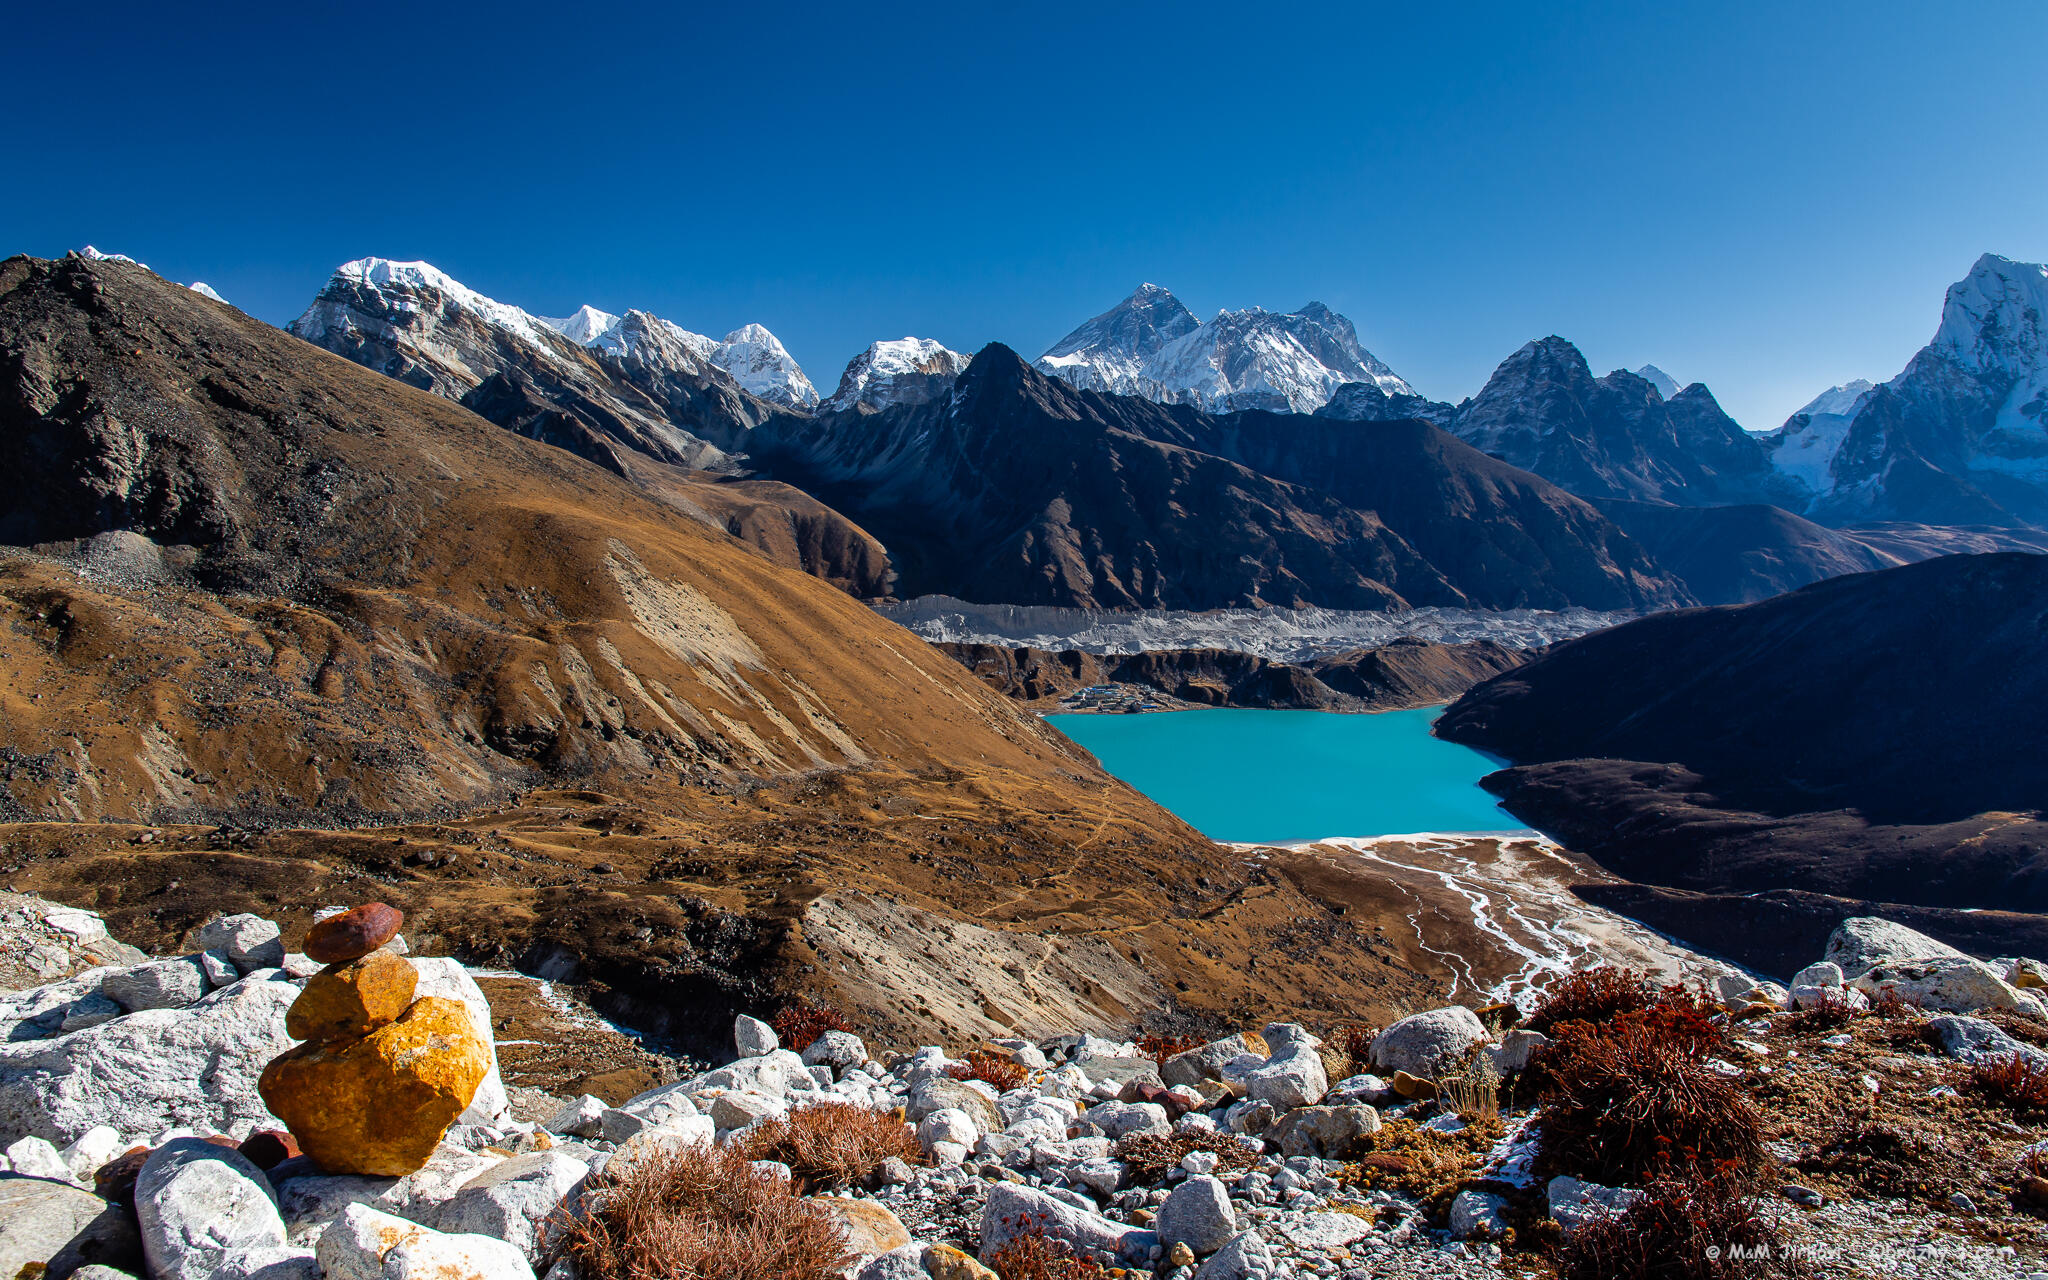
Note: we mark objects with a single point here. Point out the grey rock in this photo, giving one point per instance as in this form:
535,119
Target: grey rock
738,1110
90,1011
514,1199
1424,1044
1120,1071
904,1263
1011,1211
614,1125
198,1205
270,1262
842,1050
364,1244
1198,1214
1823,973
753,1037
1293,1077
220,971
1973,1040
1123,1119
45,1222
583,1118
1862,942
1478,1215
1206,1063
37,1158
444,976
249,941
1246,1256
1575,1204
771,1074
1327,1132
160,984
1956,984
937,1093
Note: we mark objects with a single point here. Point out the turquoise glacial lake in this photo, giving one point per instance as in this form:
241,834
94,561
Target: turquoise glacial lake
1296,775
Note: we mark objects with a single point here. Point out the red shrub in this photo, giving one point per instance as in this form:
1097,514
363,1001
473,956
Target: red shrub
1632,1098
800,1022
2014,1079
1160,1048
1032,1256
1591,995
1680,1231
991,1068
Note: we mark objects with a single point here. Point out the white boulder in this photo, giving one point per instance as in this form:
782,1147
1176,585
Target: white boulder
513,1200
364,1244
198,1206
160,1069
1863,942
251,942
1424,1044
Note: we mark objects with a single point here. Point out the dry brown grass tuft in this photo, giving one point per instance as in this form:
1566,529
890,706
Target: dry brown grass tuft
1632,1099
991,1068
1148,1156
1891,1160
701,1213
800,1022
1354,1041
1422,1163
1475,1094
1680,1231
2014,1079
1032,1256
832,1144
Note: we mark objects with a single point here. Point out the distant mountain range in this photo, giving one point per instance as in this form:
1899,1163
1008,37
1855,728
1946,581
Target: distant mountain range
1286,467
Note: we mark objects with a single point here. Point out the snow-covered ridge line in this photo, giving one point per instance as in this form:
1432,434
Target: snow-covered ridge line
1150,345
1283,635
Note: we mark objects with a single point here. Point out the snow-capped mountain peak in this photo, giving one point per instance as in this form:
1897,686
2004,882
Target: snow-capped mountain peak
91,254
1667,386
759,362
400,284
585,327
896,371
1839,400
1996,318
206,290
1150,345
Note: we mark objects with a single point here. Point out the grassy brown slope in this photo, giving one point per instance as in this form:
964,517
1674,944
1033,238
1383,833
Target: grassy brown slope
254,583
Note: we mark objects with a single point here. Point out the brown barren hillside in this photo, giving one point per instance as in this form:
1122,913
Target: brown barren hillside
276,632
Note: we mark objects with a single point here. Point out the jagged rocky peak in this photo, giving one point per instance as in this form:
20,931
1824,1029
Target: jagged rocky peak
750,354
1840,399
1370,402
1804,448
1667,386
896,371
1150,345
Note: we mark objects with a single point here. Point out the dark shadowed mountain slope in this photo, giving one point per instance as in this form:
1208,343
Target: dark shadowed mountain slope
1874,736
1016,487
1912,694
1613,437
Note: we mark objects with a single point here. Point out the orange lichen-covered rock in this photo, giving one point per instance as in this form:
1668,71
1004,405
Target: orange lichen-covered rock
379,1105
343,1001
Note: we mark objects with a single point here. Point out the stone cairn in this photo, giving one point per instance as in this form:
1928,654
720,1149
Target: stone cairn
381,1075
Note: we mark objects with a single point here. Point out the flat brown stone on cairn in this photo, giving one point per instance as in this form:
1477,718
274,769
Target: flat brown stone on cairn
378,1105
353,934
353,998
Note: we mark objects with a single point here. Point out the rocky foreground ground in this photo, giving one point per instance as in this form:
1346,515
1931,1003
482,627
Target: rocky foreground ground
1894,1091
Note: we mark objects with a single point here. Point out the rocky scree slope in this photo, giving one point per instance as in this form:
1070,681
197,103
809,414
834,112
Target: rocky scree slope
1873,736
346,628
1013,486
1255,1153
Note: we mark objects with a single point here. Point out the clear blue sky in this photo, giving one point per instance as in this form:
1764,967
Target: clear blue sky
1767,197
